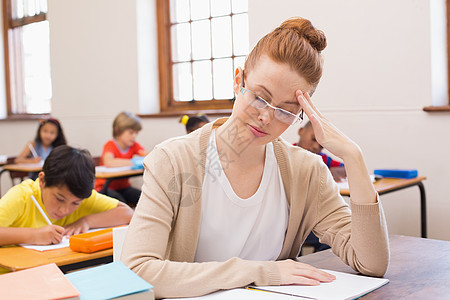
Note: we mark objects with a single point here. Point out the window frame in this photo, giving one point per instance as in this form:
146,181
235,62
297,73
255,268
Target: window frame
444,107
8,24
168,105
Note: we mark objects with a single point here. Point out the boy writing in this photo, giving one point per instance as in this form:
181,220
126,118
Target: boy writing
64,190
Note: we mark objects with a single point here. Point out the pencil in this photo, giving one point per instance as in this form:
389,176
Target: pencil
40,210
33,151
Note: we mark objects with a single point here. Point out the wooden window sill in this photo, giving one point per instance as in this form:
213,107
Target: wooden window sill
25,117
217,112
436,108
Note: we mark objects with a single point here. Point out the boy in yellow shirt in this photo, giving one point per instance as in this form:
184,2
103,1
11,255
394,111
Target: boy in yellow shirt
64,190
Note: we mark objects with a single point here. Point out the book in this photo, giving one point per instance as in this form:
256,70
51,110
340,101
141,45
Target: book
110,281
396,173
345,286
42,282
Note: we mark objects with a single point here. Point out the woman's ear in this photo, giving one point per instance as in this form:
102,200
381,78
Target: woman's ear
237,82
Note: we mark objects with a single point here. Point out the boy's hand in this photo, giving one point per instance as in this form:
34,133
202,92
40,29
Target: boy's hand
47,235
77,227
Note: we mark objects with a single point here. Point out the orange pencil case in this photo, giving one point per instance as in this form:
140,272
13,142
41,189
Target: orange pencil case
92,241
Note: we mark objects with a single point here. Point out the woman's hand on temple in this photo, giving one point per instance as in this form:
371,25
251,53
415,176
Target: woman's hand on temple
325,132
294,272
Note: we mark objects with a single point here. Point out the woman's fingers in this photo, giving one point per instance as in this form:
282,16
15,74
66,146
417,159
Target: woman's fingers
308,99
293,272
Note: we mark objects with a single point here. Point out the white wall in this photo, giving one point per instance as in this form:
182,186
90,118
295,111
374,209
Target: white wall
377,79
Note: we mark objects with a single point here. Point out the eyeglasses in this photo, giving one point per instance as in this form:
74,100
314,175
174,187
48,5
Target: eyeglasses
280,114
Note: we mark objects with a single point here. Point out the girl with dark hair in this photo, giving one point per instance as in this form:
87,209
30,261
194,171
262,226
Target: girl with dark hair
48,136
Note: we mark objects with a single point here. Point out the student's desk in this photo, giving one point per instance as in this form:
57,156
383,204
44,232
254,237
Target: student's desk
23,167
15,258
389,185
110,176
418,269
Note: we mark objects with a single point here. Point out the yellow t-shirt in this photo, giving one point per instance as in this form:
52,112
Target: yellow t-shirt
18,210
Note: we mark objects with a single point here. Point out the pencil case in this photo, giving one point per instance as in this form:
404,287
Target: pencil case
396,173
92,241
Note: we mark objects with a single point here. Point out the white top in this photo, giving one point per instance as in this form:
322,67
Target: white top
252,228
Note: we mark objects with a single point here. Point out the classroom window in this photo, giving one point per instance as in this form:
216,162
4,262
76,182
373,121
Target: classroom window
200,43
27,57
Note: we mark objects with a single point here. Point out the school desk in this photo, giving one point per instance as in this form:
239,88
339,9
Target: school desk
418,269
110,176
15,258
389,185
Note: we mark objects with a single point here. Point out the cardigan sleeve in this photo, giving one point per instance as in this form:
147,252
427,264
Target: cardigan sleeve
155,232
359,237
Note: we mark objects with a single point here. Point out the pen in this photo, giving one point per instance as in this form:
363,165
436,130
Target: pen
32,150
253,288
40,210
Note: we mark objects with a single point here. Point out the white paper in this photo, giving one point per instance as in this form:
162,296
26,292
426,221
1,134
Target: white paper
100,169
241,294
64,243
345,286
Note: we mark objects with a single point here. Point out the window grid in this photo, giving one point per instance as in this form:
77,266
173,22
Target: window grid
168,25
212,58
16,15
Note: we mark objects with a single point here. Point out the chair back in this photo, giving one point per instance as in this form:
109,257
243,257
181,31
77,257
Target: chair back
119,234
96,160
15,174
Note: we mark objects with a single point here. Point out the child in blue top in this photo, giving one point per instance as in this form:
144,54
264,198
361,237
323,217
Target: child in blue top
49,135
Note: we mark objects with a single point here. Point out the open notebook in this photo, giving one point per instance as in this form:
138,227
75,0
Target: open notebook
346,286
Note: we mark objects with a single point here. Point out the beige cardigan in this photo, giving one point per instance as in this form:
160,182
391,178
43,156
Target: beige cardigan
162,237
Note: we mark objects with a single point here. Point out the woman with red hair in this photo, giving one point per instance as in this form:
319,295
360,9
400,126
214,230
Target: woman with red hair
230,204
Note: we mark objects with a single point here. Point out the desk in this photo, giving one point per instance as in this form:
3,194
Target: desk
419,268
389,185
23,167
15,258
110,176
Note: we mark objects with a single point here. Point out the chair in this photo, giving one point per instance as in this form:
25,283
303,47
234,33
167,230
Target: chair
119,234
15,174
96,160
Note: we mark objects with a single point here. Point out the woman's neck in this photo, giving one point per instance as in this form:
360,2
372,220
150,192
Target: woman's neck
232,147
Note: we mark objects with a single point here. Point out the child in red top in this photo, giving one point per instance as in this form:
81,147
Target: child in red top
120,152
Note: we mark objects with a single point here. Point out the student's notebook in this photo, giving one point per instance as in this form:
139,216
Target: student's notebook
345,286
110,281
43,282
